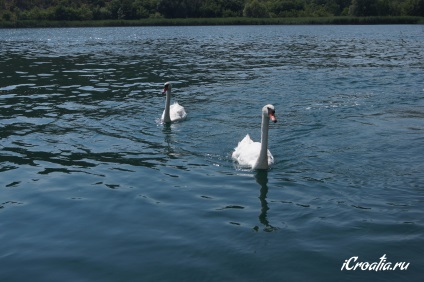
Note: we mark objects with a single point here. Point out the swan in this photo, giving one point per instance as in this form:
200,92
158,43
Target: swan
174,112
256,154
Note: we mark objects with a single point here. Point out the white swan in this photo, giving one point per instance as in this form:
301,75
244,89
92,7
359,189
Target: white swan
254,154
174,112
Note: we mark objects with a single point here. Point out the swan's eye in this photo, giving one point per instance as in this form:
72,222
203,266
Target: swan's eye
271,111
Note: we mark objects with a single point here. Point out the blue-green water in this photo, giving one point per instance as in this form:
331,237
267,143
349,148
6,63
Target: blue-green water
94,188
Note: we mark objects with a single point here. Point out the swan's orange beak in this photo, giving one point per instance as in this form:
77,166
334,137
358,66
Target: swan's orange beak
165,89
272,117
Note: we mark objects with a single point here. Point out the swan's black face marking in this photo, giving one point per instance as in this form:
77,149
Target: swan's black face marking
271,114
166,87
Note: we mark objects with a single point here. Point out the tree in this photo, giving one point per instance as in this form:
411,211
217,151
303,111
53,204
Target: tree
286,8
144,8
178,8
233,8
101,13
113,8
363,8
210,8
255,9
415,8
128,10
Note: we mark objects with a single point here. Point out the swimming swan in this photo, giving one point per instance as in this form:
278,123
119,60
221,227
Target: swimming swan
174,112
254,154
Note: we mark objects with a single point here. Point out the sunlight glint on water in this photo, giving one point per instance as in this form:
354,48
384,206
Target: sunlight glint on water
94,187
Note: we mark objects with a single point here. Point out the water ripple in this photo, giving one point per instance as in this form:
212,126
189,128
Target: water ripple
82,150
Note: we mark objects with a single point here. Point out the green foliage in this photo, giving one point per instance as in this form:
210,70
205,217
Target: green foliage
210,9
155,21
286,8
8,16
414,8
233,8
255,9
177,8
84,10
363,8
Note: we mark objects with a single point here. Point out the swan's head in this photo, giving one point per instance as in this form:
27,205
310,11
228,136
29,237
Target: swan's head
167,87
269,111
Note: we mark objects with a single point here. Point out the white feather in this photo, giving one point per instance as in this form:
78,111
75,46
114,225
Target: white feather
175,112
256,154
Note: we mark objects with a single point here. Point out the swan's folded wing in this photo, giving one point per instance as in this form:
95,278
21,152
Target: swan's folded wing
177,112
246,153
242,145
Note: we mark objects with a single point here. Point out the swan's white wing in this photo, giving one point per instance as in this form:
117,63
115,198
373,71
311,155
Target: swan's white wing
177,112
247,152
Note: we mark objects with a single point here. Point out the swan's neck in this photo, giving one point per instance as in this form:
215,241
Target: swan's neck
262,162
166,116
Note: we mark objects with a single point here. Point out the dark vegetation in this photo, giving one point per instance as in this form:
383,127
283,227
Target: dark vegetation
195,12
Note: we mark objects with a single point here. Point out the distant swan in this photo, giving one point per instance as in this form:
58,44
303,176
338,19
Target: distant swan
254,154
174,112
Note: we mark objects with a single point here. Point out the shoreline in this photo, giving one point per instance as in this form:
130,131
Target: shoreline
216,21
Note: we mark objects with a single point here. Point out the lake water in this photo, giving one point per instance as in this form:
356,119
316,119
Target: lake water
94,188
